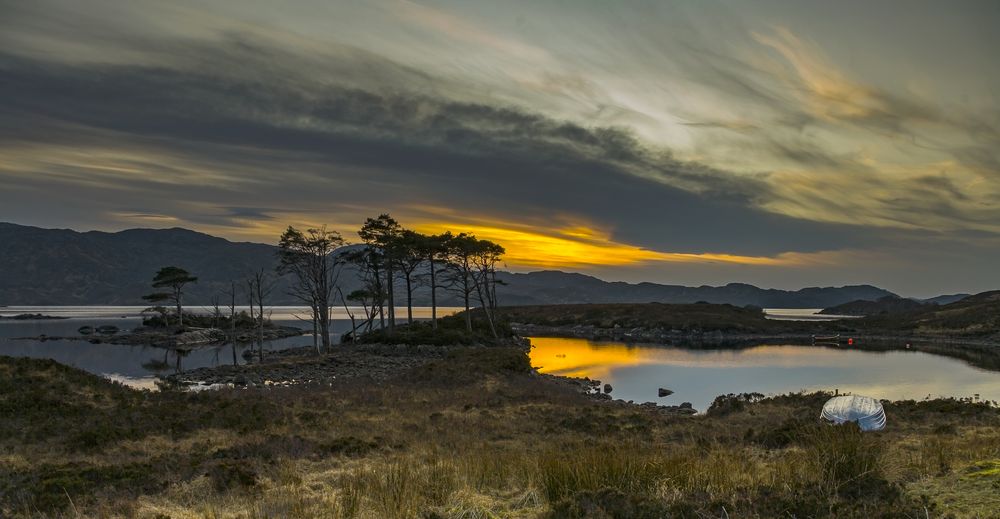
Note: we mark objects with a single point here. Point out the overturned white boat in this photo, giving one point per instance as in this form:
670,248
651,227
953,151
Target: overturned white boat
864,410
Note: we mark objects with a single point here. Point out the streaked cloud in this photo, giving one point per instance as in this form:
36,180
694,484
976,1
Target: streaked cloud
686,138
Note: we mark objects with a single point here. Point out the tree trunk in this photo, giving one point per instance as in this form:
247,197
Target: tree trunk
180,313
486,309
324,326
392,301
232,319
434,315
409,300
260,300
252,321
468,316
315,331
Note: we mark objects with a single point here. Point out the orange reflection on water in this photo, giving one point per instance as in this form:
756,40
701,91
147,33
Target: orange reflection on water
583,358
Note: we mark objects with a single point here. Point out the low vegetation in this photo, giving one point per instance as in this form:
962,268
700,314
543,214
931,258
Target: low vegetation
975,316
450,330
476,434
681,317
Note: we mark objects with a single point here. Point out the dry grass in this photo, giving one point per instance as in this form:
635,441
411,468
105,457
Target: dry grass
501,442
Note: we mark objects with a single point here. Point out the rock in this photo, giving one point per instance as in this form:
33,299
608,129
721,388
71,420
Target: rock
686,405
662,392
607,388
240,380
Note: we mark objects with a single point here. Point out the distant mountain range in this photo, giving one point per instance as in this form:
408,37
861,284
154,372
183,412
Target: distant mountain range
65,267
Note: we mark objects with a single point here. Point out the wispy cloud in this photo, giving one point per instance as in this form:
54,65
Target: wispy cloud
669,136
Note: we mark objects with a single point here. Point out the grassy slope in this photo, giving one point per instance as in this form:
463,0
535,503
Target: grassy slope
974,316
477,435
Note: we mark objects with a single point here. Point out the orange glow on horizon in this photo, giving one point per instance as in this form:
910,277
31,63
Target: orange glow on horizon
581,246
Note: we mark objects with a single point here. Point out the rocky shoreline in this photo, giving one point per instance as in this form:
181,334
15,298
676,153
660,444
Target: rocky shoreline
716,337
594,389
372,362
979,352
653,336
297,366
146,336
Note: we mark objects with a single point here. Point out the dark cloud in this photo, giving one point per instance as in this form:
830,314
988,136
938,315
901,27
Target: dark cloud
470,156
143,111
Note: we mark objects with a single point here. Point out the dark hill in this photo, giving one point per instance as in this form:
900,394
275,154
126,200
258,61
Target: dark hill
974,316
945,299
554,287
888,305
64,267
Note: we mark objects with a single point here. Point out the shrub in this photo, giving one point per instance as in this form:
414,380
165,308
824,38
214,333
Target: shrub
732,403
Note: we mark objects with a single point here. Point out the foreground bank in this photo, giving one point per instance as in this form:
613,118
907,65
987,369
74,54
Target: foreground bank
470,432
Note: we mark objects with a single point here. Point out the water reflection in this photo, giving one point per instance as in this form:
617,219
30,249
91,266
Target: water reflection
138,365
699,375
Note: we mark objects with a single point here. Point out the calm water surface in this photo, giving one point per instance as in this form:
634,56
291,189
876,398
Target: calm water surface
698,376
138,365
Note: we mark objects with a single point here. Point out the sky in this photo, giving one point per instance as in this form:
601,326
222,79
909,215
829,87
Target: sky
784,144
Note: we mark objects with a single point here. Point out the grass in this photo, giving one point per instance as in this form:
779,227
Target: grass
474,435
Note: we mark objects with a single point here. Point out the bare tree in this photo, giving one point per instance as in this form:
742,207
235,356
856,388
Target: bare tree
368,262
251,294
367,301
307,256
261,285
216,312
354,326
231,293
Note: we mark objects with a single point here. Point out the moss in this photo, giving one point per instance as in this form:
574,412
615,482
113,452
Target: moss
985,469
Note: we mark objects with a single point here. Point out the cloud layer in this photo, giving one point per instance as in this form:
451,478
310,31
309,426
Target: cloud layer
739,147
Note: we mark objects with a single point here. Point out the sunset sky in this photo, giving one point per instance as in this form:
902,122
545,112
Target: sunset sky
784,144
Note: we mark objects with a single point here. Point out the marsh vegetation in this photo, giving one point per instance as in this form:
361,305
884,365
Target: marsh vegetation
473,434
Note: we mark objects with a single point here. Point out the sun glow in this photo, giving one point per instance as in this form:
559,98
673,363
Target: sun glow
581,246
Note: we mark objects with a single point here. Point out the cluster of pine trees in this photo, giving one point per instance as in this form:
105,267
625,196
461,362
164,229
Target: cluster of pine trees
392,262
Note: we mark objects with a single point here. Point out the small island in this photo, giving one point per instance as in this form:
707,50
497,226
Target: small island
31,317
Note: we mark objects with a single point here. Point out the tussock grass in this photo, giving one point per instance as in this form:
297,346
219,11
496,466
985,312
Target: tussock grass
476,435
